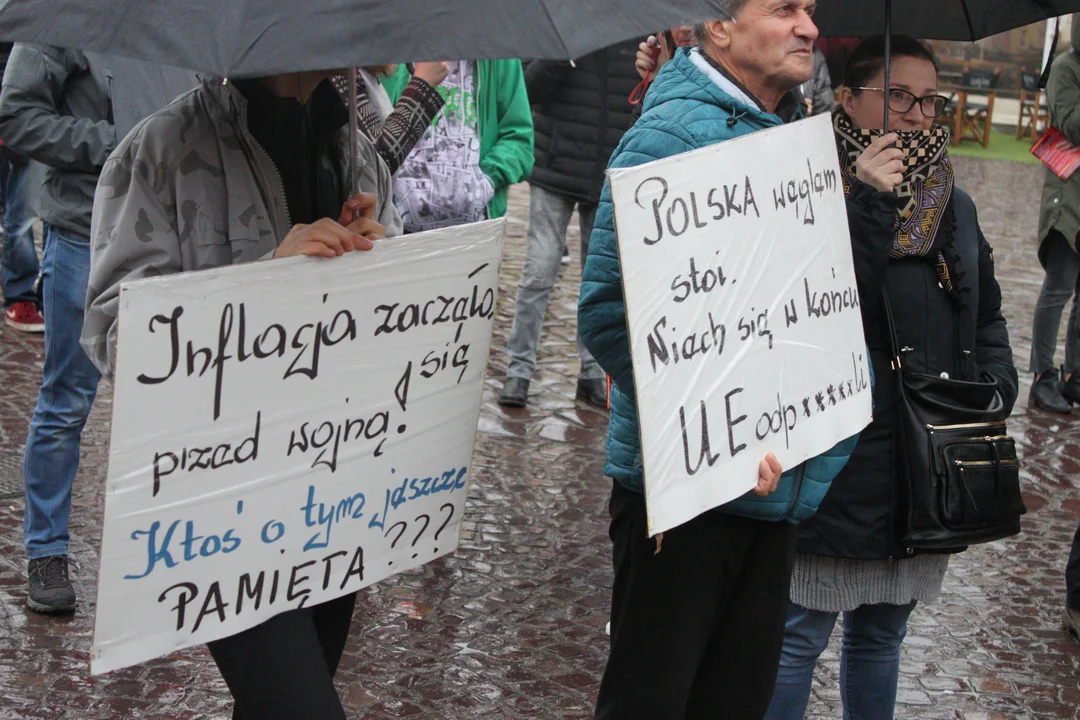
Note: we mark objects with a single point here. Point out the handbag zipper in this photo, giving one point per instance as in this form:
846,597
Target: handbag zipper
983,463
964,426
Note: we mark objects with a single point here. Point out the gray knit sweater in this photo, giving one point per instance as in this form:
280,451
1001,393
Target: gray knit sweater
834,584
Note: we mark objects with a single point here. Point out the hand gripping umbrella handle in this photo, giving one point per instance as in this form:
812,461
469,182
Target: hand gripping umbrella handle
638,94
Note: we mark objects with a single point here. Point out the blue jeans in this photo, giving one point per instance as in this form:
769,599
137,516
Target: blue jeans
549,217
869,660
67,393
18,259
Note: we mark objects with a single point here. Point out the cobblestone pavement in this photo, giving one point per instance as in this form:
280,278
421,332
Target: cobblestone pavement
511,626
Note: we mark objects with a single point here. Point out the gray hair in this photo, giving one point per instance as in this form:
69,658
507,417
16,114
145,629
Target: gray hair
730,8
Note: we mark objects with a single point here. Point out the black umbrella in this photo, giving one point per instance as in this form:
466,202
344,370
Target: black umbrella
251,38
247,38
932,20
935,19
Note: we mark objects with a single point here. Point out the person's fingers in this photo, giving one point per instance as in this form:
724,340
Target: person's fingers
315,249
362,204
329,238
367,228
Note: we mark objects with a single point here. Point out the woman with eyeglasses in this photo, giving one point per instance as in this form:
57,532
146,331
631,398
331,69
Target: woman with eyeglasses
915,236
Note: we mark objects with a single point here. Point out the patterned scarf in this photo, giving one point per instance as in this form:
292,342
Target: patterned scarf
923,212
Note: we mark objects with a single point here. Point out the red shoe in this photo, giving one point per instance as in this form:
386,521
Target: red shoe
24,316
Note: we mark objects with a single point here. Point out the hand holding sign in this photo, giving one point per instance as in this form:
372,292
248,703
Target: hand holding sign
356,229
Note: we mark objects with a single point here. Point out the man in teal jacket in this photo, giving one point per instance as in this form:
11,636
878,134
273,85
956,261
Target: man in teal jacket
479,145
697,620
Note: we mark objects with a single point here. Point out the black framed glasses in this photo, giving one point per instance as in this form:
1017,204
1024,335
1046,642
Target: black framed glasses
901,101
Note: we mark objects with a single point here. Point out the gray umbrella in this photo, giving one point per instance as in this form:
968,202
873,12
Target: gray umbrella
236,38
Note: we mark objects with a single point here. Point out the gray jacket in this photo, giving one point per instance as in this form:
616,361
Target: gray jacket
191,189
57,107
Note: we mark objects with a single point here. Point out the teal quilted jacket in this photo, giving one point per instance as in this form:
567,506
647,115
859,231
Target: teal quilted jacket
684,110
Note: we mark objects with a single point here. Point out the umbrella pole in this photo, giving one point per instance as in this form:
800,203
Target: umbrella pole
888,58
354,134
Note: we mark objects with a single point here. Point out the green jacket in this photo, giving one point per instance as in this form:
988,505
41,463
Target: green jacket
504,120
1061,198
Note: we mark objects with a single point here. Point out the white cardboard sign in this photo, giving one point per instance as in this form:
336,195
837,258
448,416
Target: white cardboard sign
287,432
743,313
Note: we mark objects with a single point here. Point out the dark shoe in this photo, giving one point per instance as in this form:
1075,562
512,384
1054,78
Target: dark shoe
50,589
1046,393
515,392
1070,390
593,391
1071,621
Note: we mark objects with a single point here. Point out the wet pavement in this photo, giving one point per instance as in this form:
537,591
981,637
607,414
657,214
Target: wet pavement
512,625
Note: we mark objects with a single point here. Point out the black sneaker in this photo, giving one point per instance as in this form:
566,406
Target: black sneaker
1046,393
50,589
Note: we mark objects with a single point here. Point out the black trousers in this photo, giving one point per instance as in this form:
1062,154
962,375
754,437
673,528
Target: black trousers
696,629
284,668
1072,574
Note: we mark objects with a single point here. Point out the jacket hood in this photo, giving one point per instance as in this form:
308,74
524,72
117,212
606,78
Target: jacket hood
1076,32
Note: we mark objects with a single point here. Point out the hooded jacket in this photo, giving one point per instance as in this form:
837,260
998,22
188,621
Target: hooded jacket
504,123
68,109
684,110
191,189
1060,208
580,112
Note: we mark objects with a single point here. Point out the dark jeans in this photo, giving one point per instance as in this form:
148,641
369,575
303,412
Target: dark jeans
1072,574
284,669
696,629
1058,288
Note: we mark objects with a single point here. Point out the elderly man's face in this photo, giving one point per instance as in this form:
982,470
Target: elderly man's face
773,41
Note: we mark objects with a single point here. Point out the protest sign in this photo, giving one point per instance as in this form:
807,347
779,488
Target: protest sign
743,313
288,432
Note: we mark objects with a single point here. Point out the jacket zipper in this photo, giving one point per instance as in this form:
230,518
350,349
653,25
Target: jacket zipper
247,138
796,491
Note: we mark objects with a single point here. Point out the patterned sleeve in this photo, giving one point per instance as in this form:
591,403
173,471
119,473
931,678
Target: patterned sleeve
414,112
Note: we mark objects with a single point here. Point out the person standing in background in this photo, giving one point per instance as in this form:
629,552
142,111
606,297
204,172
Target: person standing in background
67,110
1059,221
479,145
580,112
19,267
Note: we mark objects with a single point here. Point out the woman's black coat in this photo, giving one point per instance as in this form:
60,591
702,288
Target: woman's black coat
856,519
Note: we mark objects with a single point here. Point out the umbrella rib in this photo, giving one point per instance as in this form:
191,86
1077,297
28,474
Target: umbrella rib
967,16
558,31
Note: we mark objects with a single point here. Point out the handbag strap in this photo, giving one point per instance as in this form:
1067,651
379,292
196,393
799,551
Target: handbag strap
894,342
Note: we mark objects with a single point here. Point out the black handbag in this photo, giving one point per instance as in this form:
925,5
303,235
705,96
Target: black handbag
959,474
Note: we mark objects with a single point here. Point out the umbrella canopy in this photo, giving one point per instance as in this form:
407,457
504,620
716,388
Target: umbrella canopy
934,19
245,38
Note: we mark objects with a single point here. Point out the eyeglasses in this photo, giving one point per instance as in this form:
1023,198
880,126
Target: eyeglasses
901,101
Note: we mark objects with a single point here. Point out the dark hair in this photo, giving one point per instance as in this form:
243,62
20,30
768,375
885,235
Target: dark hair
868,59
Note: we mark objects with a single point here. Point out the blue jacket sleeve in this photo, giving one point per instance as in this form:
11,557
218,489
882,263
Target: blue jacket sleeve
601,307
